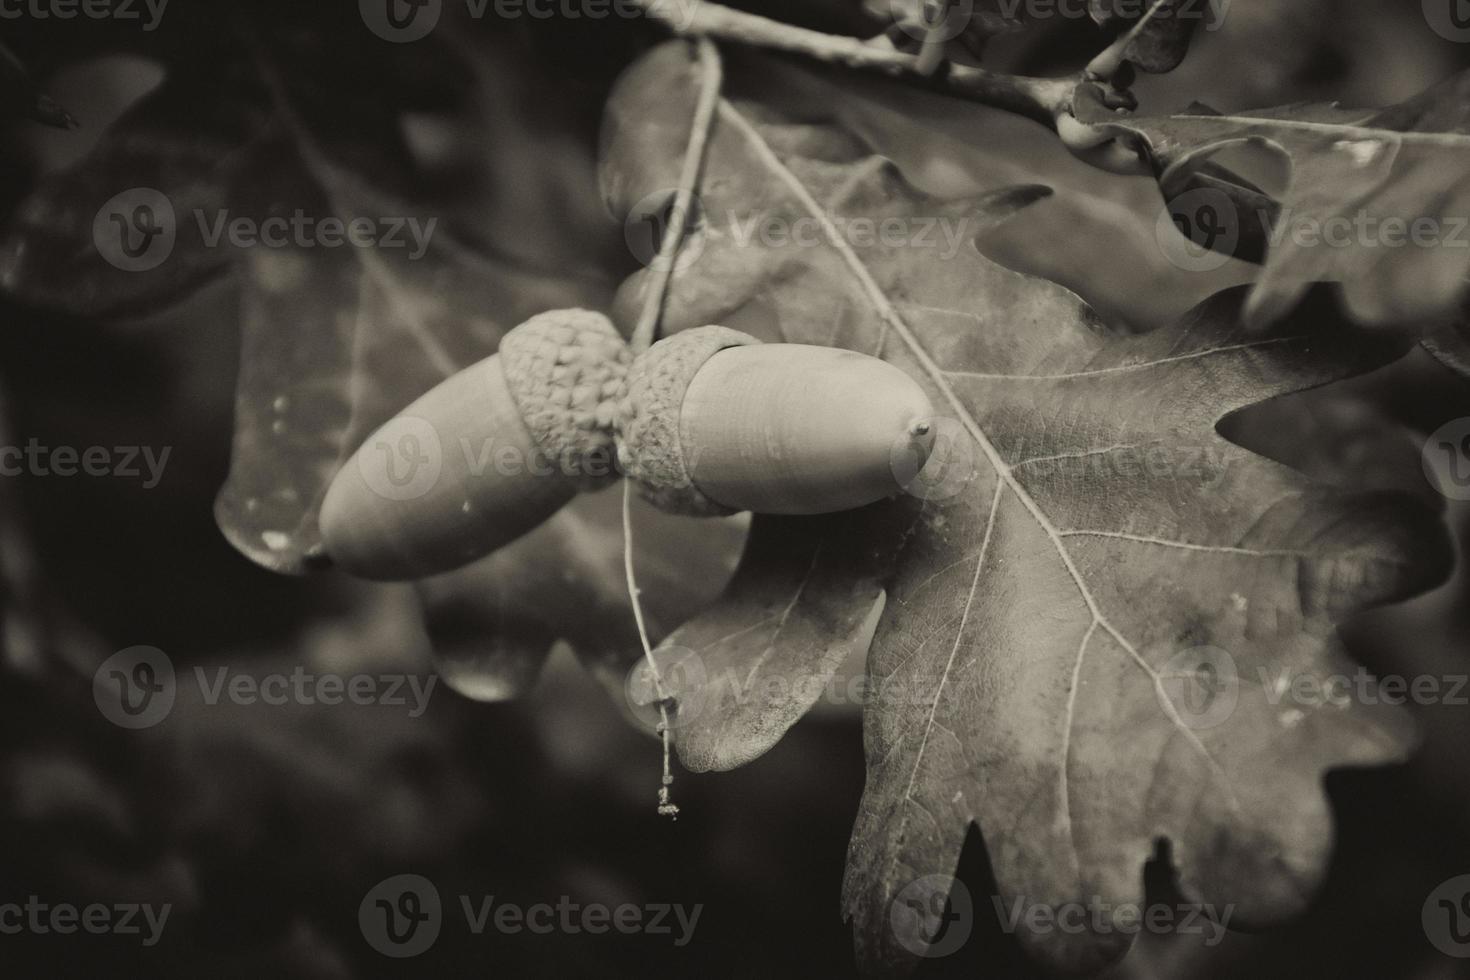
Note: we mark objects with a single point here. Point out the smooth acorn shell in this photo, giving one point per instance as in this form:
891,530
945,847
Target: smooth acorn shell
798,429
454,476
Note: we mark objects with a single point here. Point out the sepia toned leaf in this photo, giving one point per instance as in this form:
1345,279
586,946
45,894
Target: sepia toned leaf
1089,610
1376,201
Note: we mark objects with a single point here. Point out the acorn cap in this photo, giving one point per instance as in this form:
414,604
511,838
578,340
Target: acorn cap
649,447
566,370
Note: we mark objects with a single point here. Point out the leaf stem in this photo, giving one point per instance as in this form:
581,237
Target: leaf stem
711,79
1042,99
666,806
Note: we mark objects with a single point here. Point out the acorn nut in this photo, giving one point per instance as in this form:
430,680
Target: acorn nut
715,422
485,456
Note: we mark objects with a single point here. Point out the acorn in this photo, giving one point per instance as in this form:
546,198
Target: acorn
485,456
716,422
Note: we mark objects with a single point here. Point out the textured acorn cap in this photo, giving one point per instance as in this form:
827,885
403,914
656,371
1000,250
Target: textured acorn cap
566,371
649,447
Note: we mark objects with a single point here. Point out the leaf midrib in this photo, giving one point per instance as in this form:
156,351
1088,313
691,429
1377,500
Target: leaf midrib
937,375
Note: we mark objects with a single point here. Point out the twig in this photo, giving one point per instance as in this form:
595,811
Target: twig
711,78
1042,99
666,805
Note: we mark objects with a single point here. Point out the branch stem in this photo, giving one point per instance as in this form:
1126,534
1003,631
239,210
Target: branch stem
711,78
1042,99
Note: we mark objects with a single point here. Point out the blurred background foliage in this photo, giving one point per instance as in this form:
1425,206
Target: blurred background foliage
265,826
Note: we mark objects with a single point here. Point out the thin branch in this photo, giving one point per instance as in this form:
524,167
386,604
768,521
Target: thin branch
1042,99
666,806
711,78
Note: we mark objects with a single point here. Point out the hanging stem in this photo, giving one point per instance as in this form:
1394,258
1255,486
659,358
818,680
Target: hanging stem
666,806
712,77
1042,99
644,333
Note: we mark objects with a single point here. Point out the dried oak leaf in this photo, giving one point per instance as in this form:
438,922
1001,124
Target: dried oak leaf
1377,198
1055,607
